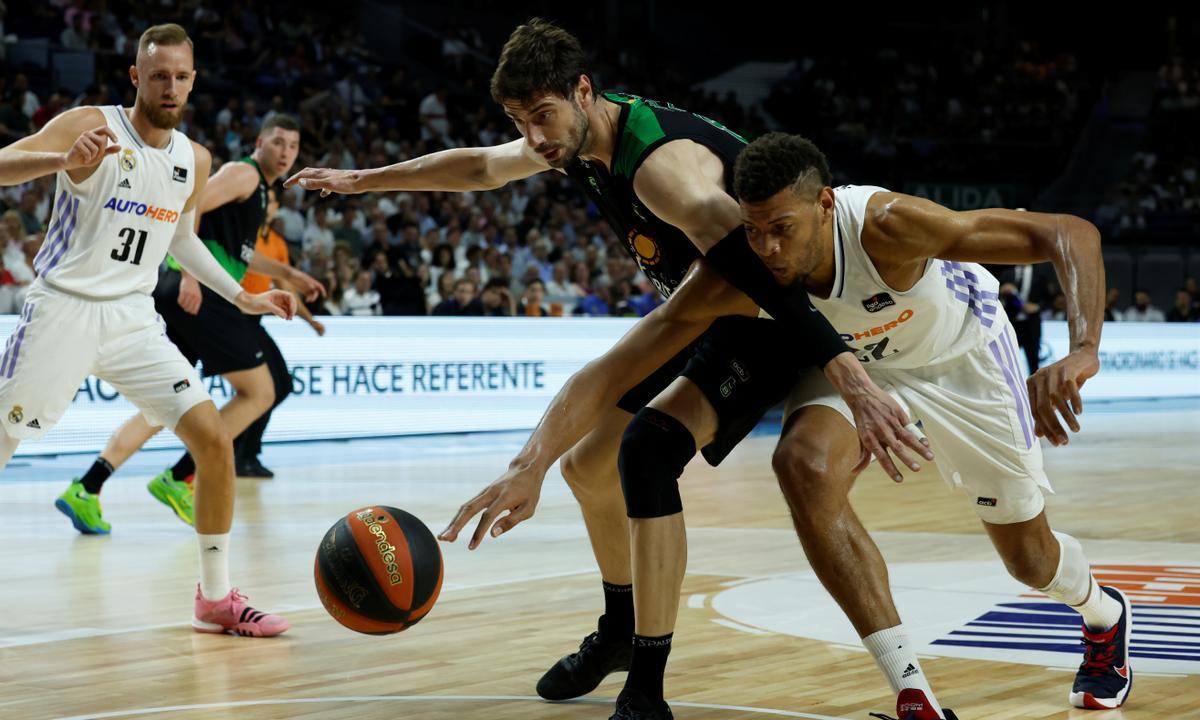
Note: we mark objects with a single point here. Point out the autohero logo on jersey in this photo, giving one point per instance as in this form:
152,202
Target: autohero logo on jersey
887,327
135,207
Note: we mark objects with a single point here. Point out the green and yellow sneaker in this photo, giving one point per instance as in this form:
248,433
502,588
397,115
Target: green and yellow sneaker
173,493
83,508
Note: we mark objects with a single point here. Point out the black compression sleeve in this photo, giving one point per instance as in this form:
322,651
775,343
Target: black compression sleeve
737,263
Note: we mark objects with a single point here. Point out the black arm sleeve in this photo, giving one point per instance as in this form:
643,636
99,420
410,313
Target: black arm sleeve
737,263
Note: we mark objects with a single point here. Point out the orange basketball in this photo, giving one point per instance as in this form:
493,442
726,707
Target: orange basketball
378,570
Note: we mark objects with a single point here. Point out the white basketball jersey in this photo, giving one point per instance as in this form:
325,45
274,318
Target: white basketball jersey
109,233
952,309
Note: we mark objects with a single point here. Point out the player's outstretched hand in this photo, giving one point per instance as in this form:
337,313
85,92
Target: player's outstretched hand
91,147
327,180
515,493
272,302
1055,388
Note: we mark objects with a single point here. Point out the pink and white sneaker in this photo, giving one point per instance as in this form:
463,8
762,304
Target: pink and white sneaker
232,615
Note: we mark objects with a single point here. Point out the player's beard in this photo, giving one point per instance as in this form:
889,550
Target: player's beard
576,140
159,118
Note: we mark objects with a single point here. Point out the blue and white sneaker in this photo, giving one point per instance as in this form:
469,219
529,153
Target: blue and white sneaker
1105,677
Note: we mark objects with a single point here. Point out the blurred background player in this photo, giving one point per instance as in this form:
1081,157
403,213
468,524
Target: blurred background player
270,244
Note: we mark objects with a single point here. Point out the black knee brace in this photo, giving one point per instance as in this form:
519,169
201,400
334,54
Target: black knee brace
654,450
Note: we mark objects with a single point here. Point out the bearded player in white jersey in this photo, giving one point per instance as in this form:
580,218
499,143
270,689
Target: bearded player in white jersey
898,276
127,184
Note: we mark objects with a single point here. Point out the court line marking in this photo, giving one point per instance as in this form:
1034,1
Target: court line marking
83,633
429,698
749,630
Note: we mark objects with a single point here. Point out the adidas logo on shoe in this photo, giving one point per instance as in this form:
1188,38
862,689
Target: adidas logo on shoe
910,671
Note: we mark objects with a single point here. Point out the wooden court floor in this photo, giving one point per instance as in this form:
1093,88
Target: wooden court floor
97,627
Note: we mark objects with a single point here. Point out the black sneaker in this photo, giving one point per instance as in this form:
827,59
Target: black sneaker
581,672
633,705
252,468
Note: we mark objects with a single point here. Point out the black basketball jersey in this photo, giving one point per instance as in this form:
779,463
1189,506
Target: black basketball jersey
231,230
663,251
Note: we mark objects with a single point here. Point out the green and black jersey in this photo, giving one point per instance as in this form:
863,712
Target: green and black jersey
231,230
663,251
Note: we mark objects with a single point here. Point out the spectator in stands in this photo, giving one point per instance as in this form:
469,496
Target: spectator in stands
1111,312
8,291
293,220
1029,290
14,124
28,212
442,290
463,302
532,299
55,104
559,286
442,263
495,299
596,303
331,304
347,231
317,234
435,123
1182,311
29,101
361,299
1190,286
1142,311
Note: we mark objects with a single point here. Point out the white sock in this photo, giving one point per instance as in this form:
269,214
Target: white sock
898,661
1100,611
1074,586
214,566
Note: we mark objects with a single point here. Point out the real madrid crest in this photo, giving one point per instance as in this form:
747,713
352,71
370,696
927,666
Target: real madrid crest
16,415
128,160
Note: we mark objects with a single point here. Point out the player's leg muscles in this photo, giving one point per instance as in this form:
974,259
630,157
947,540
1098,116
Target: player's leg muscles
201,429
813,463
255,395
654,450
590,469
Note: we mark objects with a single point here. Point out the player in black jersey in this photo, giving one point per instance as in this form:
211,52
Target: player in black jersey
207,328
662,177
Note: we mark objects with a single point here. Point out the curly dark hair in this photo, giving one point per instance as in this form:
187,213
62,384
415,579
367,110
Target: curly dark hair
539,58
776,161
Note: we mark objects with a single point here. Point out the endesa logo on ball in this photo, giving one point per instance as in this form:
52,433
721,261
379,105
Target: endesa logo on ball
134,207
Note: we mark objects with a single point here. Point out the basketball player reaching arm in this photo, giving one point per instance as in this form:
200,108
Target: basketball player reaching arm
681,182
619,147
128,182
